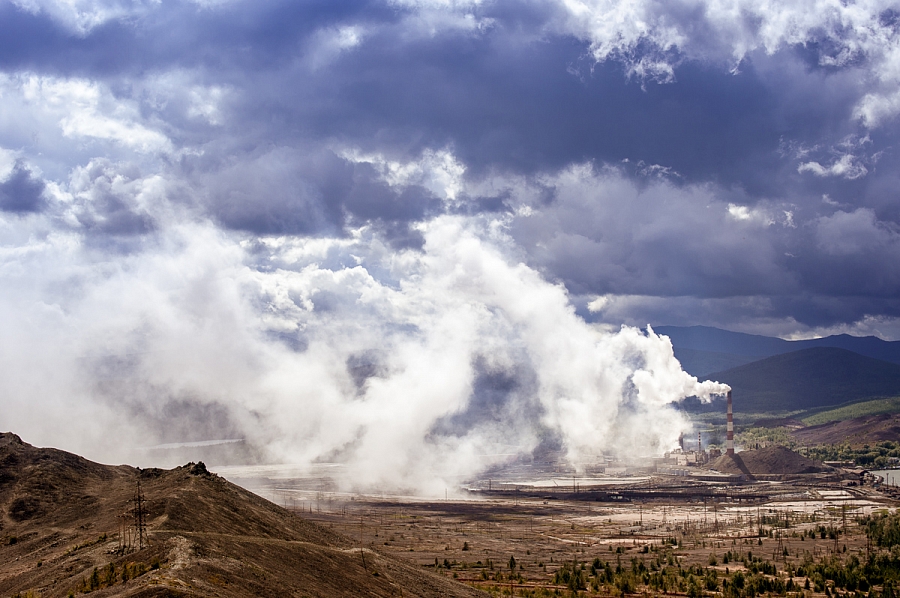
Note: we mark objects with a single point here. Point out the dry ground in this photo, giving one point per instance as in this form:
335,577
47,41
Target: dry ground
473,540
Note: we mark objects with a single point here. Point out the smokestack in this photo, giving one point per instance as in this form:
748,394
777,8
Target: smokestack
699,444
729,430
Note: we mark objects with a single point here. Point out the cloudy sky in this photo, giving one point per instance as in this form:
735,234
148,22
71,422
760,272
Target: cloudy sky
235,195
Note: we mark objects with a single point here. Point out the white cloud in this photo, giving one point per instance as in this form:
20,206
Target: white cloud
847,166
330,43
884,327
7,162
87,109
599,304
757,215
438,171
737,27
428,17
439,4
739,212
177,92
205,102
81,16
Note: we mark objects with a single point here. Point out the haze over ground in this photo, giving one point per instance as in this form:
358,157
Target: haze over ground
412,229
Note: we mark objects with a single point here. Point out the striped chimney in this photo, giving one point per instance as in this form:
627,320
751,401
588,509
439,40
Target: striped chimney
729,442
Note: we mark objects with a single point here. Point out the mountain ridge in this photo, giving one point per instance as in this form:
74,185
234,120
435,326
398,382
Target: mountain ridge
697,347
809,378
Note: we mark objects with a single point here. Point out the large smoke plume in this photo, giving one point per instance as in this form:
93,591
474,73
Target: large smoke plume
412,367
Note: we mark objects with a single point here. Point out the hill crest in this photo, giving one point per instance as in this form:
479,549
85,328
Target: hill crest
60,517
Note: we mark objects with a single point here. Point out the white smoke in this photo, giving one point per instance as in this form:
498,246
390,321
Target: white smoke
410,367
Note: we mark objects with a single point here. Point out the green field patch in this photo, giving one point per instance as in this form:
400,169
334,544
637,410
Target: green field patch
852,410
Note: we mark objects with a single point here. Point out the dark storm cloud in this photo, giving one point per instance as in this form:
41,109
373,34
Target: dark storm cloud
497,101
494,96
22,192
242,35
369,198
519,93
286,191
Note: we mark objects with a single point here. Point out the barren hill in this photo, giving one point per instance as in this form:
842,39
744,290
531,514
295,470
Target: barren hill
857,431
773,460
59,535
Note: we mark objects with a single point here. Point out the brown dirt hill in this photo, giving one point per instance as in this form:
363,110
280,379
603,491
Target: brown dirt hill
772,460
867,429
208,537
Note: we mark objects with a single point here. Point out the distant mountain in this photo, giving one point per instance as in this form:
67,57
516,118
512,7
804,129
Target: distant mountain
706,338
700,363
809,378
870,346
703,349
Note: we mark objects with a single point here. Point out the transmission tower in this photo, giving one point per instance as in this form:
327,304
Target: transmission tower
139,514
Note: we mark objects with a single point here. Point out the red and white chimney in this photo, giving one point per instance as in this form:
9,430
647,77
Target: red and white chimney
729,429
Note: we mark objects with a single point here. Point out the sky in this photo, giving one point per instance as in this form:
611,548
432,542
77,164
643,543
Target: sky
273,219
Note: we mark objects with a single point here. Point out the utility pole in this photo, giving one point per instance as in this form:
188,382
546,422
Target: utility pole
139,513
124,533
758,522
716,515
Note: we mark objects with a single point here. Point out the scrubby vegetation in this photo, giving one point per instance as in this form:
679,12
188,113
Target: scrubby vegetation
875,455
881,454
735,573
111,574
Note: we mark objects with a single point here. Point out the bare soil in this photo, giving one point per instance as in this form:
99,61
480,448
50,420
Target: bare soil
59,524
857,431
473,541
772,460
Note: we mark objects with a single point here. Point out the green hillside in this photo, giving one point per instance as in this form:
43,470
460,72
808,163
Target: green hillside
808,379
851,411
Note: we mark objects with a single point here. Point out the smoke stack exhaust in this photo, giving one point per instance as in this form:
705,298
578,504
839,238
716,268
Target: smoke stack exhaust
729,430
